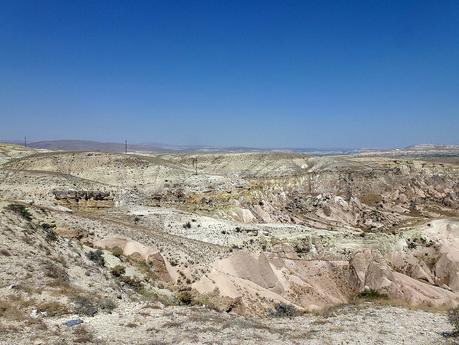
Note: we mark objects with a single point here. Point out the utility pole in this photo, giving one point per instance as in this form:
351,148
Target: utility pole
25,141
195,164
125,146
310,181
349,186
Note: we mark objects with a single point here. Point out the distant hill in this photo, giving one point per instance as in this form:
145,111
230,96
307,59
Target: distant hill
88,145
432,147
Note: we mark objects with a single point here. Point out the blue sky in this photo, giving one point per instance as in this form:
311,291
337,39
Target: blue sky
231,73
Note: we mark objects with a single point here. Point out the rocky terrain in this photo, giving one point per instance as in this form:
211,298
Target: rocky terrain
228,247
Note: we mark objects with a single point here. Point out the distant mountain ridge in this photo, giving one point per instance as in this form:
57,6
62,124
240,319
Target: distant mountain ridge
89,145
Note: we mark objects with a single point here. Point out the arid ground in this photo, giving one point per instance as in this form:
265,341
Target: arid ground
228,247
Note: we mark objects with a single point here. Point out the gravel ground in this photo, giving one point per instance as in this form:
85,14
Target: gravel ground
140,323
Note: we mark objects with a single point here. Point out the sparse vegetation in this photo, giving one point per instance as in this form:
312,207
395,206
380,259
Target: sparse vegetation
82,335
284,310
59,275
107,305
370,294
117,251
84,306
453,318
11,308
52,270
49,231
53,308
118,270
96,256
132,282
89,305
301,246
185,297
21,210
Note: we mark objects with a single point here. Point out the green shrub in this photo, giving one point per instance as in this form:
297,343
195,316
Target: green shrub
371,294
118,271
284,310
96,256
84,306
51,270
117,251
185,297
107,305
90,305
133,283
49,231
20,210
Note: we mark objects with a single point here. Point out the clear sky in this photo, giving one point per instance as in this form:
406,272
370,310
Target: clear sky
231,73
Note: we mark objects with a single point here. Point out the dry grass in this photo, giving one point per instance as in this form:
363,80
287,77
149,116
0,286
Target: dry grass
12,308
53,308
172,324
5,329
245,323
56,272
82,335
16,308
391,302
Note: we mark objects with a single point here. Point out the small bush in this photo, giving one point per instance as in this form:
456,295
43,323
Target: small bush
117,251
84,306
302,247
118,271
187,225
453,318
49,231
371,294
96,256
284,310
10,309
107,305
53,308
53,271
185,297
82,335
20,210
132,282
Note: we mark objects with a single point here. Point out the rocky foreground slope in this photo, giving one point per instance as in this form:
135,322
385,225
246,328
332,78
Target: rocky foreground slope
104,236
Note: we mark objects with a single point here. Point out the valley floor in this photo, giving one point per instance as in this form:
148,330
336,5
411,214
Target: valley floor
140,323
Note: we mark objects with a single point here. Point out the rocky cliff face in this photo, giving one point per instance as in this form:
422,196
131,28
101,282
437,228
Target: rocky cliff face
380,197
